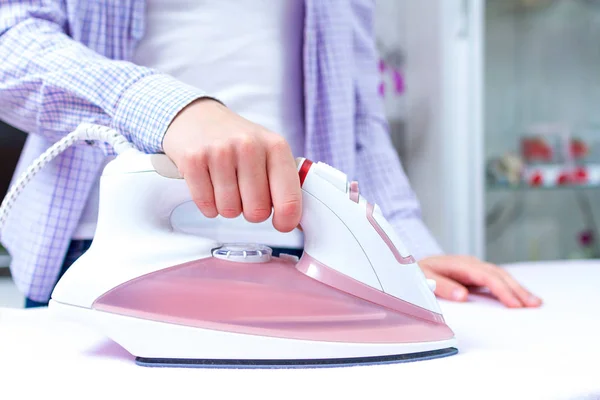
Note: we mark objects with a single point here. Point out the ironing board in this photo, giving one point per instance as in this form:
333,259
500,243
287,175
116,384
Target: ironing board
547,353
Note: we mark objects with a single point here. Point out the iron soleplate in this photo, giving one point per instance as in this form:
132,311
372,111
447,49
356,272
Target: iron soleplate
300,363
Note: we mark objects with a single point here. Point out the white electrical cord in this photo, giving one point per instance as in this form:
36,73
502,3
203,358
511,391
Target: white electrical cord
84,132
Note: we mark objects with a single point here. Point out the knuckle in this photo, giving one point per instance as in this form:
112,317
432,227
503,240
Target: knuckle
467,259
279,145
229,212
205,204
247,145
221,153
192,159
290,207
495,283
258,214
500,270
188,159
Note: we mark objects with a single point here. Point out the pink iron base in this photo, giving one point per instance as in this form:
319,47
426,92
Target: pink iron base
274,299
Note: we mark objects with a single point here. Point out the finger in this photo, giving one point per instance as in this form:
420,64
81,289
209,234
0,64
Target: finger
201,189
499,288
526,297
480,274
284,184
252,180
447,288
222,169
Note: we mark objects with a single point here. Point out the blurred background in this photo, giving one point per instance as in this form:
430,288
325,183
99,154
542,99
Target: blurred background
494,108
498,122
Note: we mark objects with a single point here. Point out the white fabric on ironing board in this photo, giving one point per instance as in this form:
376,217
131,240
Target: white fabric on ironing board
547,353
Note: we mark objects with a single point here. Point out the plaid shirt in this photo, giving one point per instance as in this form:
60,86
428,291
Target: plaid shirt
68,61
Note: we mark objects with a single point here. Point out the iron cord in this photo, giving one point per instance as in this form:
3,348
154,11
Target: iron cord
85,132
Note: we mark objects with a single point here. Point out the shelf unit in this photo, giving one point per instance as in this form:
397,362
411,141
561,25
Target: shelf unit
541,60
528,188
479,75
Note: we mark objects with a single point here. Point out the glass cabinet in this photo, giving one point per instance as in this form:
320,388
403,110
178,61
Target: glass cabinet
541,129
498,122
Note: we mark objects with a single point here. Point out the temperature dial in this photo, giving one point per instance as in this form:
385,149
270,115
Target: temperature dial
245,253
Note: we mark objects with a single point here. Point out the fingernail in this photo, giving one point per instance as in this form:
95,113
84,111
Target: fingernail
533,299
458,294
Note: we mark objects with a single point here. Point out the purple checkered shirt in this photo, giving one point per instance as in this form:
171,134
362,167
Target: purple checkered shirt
64,62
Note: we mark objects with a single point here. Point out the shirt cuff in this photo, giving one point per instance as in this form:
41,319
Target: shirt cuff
148,107
417,238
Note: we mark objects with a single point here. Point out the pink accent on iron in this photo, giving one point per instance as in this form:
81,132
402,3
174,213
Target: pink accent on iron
269,299
339,281
402,260
354,193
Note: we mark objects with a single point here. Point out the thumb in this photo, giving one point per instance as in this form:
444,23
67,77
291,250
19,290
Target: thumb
448,289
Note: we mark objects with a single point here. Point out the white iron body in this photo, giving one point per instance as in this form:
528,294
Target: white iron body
141,198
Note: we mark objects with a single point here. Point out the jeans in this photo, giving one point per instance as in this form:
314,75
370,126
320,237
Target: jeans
78,247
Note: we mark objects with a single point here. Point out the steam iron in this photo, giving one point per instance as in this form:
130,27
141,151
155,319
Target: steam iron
355,296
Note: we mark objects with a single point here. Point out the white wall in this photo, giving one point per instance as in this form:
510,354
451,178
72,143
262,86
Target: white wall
435,139
415,116
423,145
391,30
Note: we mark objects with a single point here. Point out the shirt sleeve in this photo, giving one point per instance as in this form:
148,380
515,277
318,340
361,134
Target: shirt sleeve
50,83
380,174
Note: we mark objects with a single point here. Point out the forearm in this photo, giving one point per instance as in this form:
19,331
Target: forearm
50,83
